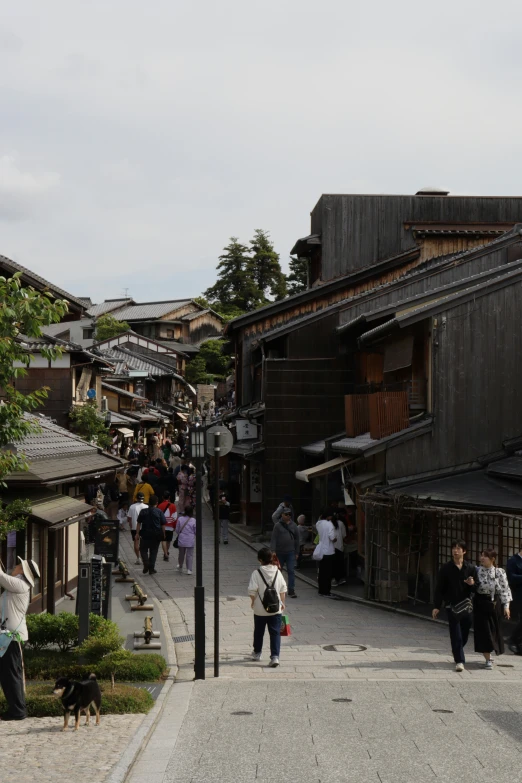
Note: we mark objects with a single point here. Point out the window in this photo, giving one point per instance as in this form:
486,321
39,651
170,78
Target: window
170,333
88,334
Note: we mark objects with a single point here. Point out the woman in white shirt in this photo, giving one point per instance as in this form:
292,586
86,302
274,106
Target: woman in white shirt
263,578
492,598
328,536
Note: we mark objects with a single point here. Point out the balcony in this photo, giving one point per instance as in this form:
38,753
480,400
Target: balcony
382,409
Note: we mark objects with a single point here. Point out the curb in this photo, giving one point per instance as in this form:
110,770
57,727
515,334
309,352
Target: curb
141,736
342,596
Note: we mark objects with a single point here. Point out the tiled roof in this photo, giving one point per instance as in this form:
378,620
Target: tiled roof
187,348
126,360
122,392
52,441
38,282
150,310
107,306
191,316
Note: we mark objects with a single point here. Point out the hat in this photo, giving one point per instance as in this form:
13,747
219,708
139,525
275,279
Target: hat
140,496
31,570
286,510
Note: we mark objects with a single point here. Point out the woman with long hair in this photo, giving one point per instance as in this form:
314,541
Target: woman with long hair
339,563
492,599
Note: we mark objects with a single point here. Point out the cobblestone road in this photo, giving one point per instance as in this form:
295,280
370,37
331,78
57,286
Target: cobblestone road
404,714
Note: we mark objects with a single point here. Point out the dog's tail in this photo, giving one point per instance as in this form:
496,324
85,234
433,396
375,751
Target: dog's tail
92,677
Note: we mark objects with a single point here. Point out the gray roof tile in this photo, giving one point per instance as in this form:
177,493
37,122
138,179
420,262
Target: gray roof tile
40,283
142,312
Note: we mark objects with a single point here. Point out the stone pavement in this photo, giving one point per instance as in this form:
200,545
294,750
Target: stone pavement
404,713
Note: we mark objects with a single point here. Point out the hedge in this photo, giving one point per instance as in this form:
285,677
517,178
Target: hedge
61,630
51,664
124,699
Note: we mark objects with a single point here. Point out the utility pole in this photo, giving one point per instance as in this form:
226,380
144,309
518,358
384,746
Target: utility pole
217,449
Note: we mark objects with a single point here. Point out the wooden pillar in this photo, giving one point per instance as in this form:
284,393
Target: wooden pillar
51,574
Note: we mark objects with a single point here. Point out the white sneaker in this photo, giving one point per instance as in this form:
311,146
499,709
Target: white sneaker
189,573
274,662
177,567
459,667
254,657
138,561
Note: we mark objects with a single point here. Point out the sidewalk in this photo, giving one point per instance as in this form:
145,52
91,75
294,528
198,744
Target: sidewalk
404,714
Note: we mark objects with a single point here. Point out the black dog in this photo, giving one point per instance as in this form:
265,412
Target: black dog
77,697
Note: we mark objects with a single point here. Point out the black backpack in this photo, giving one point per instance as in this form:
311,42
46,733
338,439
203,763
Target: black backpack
270,599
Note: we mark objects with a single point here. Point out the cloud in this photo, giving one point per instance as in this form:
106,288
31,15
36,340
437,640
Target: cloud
21,191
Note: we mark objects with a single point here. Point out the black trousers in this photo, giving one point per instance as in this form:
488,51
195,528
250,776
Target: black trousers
149,552
325,574
516,636
459,632
339,565
12,681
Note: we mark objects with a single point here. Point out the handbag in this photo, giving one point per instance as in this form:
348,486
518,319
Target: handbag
317,554
286,630
462,609
175,543
6,637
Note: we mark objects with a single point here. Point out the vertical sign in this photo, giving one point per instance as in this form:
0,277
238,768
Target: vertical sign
96,584
256,489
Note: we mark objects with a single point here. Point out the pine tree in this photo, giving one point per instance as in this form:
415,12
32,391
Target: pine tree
234,287
297,279
265,269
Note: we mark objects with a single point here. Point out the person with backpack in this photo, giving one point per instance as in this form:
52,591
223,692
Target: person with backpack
150,531
267,590
171,515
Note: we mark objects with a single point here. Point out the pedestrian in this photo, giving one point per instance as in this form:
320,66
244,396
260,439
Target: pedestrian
285,543
111,498
171,515
304,537
186,527
492,599
224,517
123,513
339,563
514,575
166,450
267,577
14,603
183,486
285,503
456,584
325,551
150,531
132,518
143,488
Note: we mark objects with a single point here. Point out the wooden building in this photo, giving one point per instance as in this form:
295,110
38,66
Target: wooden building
60,466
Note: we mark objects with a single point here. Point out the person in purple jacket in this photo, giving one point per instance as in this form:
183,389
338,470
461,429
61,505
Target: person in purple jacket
186,535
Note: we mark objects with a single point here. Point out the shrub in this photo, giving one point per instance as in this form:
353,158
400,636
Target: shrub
96,646
42,630
51,664
61,630
124,699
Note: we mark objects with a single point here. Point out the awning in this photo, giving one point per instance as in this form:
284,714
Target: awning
182,416
50,508
126,432
398,354
323,469
364,480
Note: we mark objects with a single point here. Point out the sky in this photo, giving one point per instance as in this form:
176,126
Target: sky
137,138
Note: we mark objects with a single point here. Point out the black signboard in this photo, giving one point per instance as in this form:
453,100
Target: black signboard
106,590
96,584
107,539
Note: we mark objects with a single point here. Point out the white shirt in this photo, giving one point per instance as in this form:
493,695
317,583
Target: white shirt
257,587
327,535
16,599
134,512
341,535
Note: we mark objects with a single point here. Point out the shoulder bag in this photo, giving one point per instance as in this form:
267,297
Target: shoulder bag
6,637
462,609
175,543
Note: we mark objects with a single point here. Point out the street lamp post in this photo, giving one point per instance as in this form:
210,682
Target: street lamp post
197,450
217,449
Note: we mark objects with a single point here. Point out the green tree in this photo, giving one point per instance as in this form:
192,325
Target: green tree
297,279
107,326
23,311
88,424
216,362
226,313
196,371
234,289
265,269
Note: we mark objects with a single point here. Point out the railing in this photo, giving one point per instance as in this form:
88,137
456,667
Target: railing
357,415
388,413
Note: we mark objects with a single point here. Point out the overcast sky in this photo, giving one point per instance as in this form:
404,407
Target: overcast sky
136,138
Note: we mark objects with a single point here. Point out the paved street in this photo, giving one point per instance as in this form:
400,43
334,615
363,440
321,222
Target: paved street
404,713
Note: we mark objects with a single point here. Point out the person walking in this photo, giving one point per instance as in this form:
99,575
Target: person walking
325,551
456,584
224,517
143,488
285,543
14,604
186,526
514,575
267,577
132,518
339,562
492,598
286,503
150,531
183,486
111,498
171,515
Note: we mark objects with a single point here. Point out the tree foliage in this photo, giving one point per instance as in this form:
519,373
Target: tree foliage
265,270
234,287
297,279
196,371
107,326
23,312
86,421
